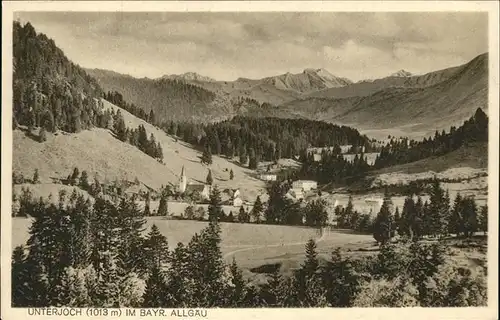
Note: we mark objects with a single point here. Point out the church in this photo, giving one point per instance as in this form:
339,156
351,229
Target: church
184,187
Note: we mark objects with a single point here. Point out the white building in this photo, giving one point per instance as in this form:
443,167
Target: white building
317,157
305,185
374,204
268,177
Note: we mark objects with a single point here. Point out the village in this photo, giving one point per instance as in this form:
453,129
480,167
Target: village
189,198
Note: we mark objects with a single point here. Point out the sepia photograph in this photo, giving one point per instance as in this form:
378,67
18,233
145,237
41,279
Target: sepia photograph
178,161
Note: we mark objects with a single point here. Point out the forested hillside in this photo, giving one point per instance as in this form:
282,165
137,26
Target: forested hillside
50,91
264,138
334,168
169,99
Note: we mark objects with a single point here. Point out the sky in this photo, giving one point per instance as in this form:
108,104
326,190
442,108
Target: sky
226,46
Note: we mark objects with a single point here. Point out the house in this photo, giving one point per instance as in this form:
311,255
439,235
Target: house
268,177
296,193
235,195
374,204
202,189
304,185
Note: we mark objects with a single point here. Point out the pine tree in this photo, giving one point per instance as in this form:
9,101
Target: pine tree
397,221
74,176
215,206
236,292
253,162
154,295
231,174
341,281
243,156
36,177
147,204
455,222
163,206
243,217
316,215
257,210
84,181
206,157
348,213
155,249
20,285
469,216
383,225
306,281
209,179
408,223
438,209
311,264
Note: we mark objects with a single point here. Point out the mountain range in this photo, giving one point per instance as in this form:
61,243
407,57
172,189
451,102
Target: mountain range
420,104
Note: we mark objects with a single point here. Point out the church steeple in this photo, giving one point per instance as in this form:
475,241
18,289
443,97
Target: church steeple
182,181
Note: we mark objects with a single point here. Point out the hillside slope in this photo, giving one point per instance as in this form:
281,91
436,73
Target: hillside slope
99,152
170,99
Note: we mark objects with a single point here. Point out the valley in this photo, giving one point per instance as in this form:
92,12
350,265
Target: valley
179,177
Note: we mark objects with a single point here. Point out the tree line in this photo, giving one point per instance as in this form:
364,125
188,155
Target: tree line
436,218
333,168
137,137
263,139
400,151
116,98
83,254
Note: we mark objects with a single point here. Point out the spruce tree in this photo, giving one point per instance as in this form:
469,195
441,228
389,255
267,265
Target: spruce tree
397,221
311,264
215,206
257,210
455,222
36,177
206,157
236,289
253,162
163,205
154,295
341,281
469,216
438,209
209,178
19,284
155,249
231,174
383,225
84,181
74,176
242,215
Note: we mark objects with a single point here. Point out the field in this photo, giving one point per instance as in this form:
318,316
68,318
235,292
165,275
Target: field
251,245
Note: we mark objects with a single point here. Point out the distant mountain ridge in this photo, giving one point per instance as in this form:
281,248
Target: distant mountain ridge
401,73
189,76
309,80
426,103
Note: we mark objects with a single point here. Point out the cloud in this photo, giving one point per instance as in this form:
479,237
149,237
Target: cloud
240,44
